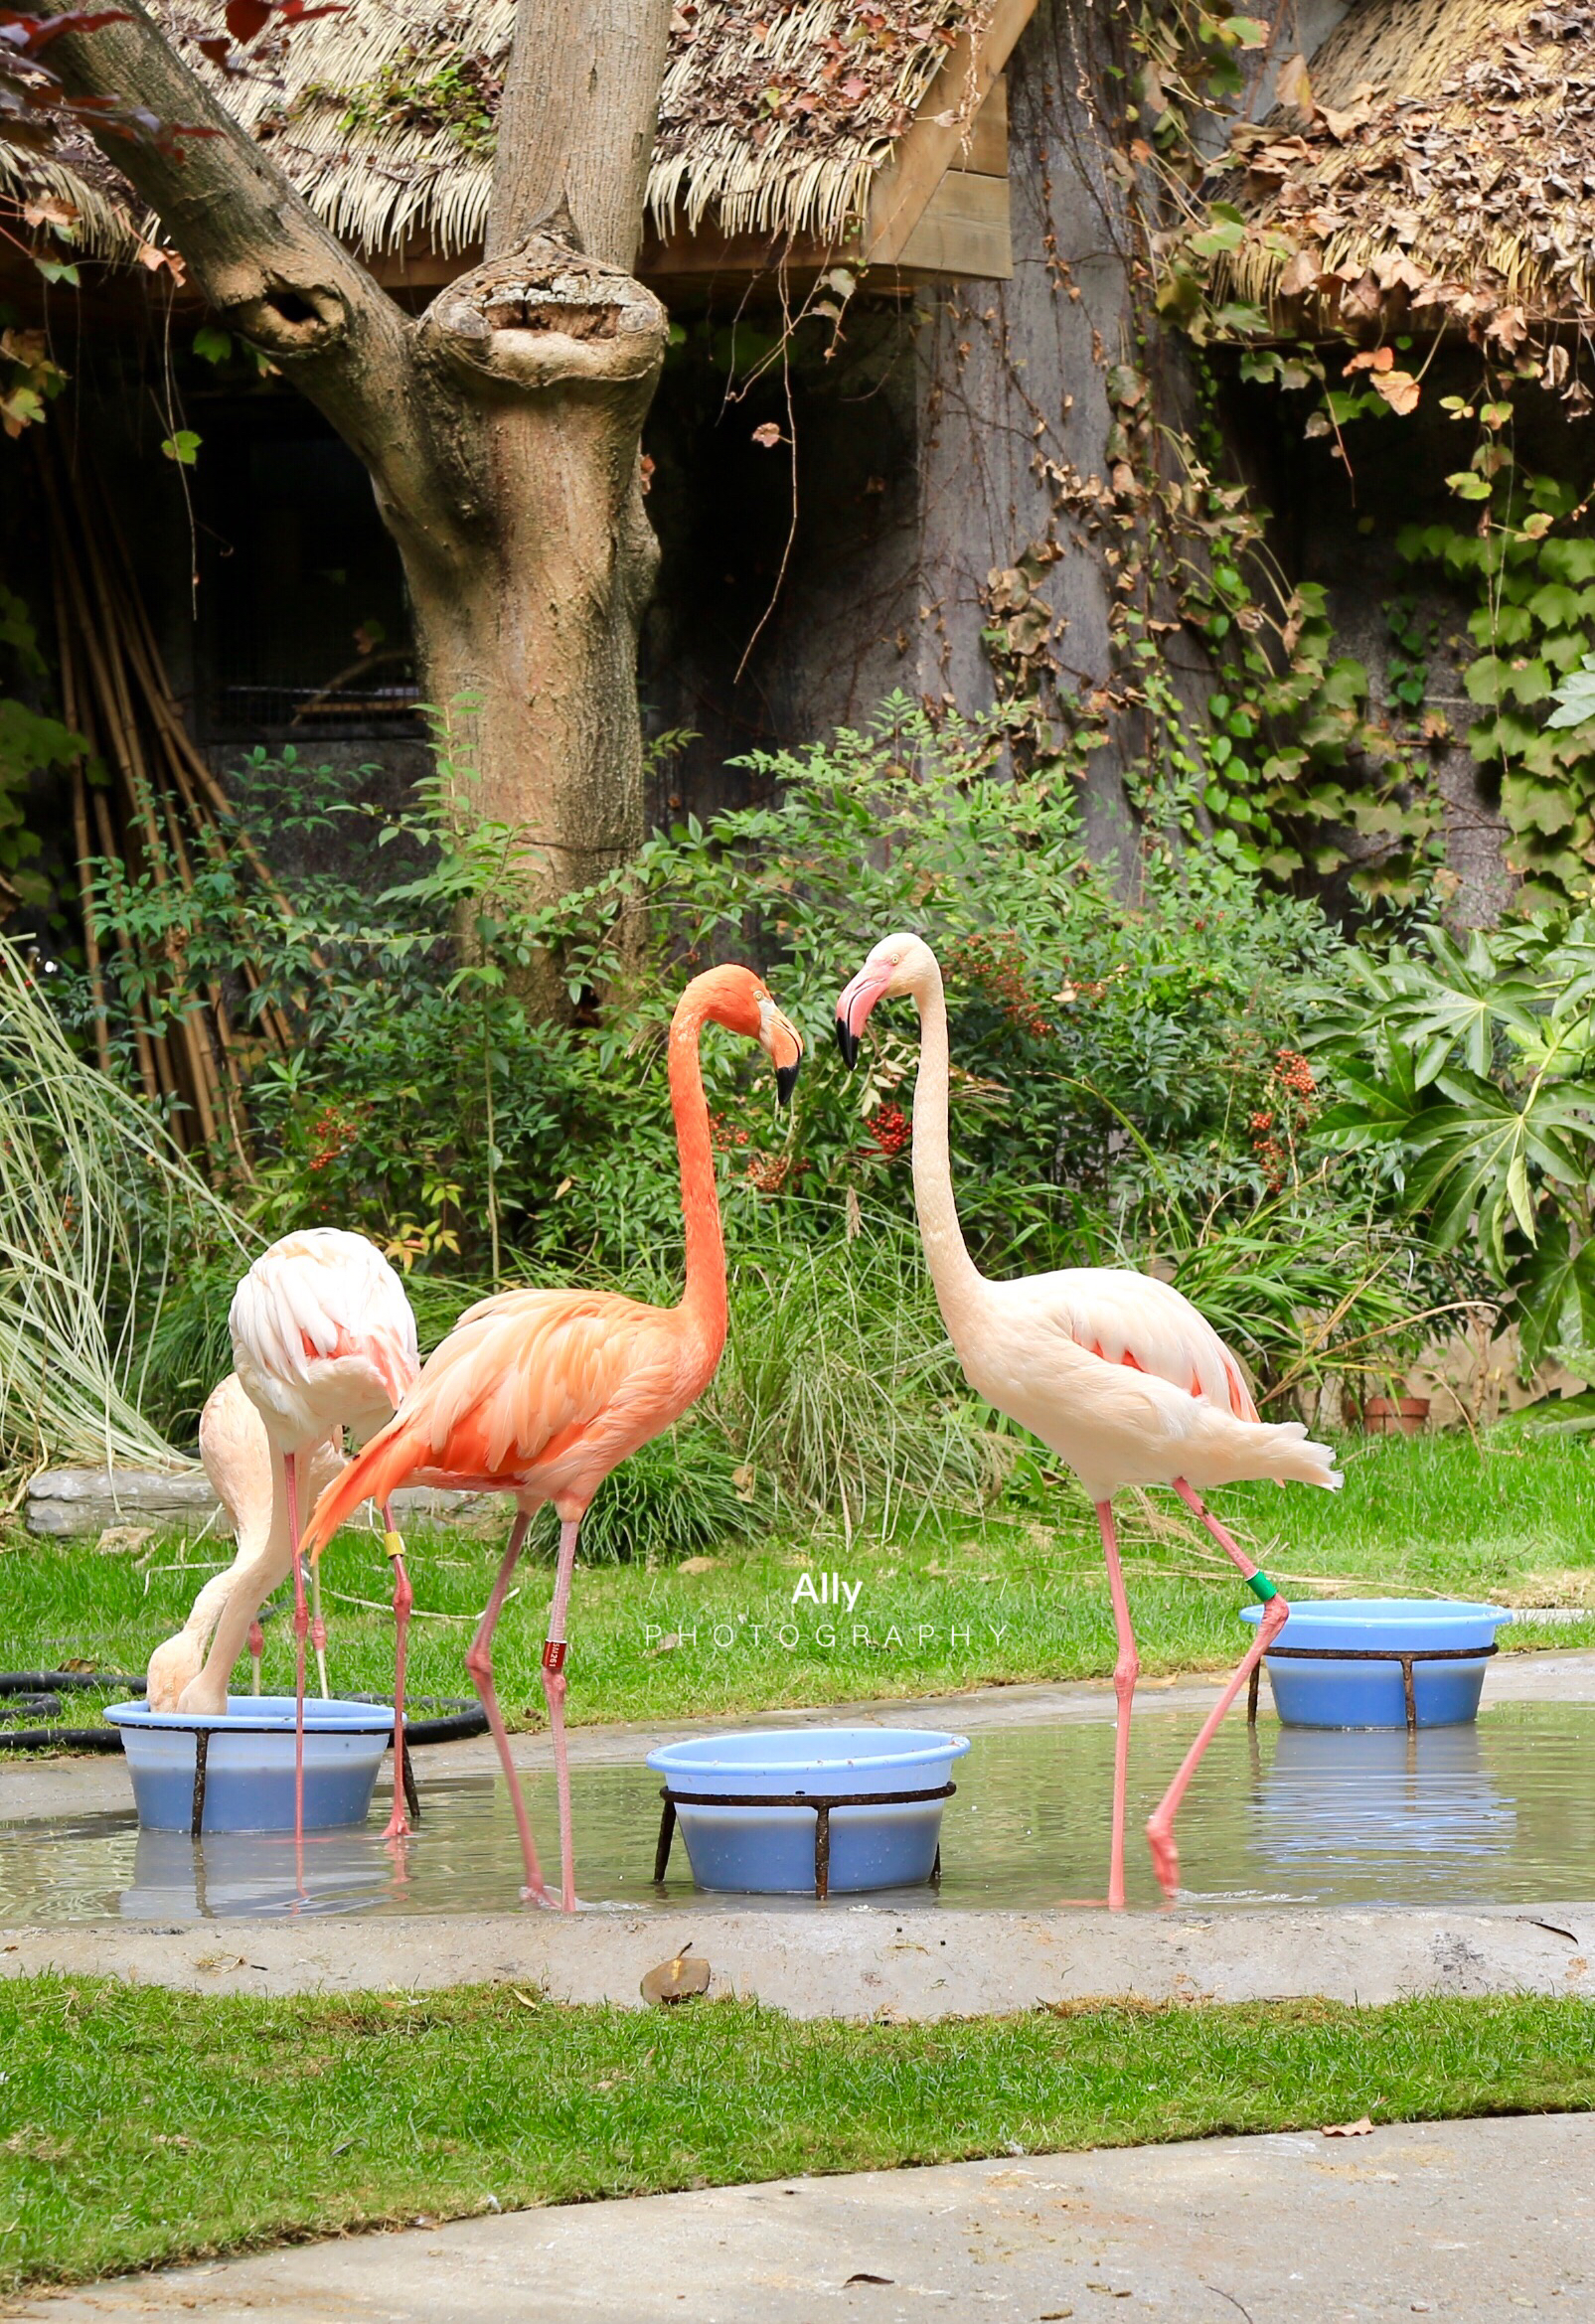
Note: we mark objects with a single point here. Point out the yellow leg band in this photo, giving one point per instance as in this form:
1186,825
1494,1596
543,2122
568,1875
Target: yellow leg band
393,1543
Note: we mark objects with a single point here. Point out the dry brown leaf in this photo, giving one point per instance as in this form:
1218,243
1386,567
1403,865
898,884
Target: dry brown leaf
1399,389
1294,88
1300,275
680,1978
1361,2128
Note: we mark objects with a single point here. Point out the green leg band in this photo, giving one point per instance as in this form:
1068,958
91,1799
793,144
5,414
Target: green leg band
1261,1588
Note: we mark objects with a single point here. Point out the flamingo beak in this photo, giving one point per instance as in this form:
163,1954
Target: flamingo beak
853,1009
782,1043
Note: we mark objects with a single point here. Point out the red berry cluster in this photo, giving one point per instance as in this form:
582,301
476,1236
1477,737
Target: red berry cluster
890,1129
995,963
333,1131
724,1136
1277,1129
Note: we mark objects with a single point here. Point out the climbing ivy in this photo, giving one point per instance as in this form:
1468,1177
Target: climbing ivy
1534,606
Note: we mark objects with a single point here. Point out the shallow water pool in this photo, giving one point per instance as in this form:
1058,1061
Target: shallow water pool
1501,1813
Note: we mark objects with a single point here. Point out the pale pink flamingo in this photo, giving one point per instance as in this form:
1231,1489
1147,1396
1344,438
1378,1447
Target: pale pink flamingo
1115,1372
237,1452
324,1338
542,1393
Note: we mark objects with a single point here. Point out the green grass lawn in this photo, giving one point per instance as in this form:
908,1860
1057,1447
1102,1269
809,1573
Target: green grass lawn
290,2118
955,1603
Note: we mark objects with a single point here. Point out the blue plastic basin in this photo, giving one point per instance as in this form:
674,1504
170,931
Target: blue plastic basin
249,1773
1372,1694
769,1851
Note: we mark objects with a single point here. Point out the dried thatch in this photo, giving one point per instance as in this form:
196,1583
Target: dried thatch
1438,162
774,117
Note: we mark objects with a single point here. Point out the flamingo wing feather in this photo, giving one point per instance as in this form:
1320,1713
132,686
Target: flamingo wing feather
1136,1319
524,1380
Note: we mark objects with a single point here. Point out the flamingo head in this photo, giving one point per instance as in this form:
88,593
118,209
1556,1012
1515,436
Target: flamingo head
898,967
740,1001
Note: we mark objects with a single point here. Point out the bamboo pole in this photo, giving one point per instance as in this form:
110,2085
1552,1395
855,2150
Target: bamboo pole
120,719
81,839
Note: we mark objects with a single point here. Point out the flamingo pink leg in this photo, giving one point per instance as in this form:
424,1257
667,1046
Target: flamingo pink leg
256,1649
404,1600
553,1688
301,1630
1159,1824
479,1662
1126,1671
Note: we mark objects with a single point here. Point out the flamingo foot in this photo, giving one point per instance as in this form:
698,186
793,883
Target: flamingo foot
398,1826
1165,1853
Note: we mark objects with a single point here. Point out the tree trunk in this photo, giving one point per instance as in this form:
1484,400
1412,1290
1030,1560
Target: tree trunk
501,429
528,624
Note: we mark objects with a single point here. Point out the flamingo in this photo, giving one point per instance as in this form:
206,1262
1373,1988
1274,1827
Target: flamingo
1115,1372
324,1338
237,1452
542,1393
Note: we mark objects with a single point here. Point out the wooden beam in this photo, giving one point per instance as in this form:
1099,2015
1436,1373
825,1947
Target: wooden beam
963,229
932,146
988,134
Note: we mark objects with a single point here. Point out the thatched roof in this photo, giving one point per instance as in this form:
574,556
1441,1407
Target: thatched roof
1436,161
775,115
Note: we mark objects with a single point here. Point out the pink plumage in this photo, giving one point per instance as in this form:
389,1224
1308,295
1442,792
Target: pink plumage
1115,1372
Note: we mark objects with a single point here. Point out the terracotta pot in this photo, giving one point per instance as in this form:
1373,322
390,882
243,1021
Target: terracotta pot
1383,1416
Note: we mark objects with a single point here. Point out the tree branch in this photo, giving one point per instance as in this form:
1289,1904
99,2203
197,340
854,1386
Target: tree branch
577,121
256,249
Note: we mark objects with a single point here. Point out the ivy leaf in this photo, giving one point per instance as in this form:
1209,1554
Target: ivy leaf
183,447
1575,697
1558,606
212,344
1469,487
1219,240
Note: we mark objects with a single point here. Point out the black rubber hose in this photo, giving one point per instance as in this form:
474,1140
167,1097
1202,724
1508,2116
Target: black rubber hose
40,1693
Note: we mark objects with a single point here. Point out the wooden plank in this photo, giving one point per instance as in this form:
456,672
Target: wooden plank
933,147
988,134
963,229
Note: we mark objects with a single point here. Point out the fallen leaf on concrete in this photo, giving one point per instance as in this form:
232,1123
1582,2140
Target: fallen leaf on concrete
678,1979
860,2277
1361,2128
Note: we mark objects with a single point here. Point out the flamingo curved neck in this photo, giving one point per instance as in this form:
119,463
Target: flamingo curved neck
957,1280
704,1300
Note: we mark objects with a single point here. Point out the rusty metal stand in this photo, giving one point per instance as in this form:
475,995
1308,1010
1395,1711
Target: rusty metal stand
821,1803
1407,1659
202,1754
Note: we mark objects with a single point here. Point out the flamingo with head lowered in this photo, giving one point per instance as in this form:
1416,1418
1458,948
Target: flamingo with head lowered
542,1393
1115,1372
323,1339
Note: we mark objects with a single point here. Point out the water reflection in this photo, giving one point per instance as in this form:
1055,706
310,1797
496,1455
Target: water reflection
1501,1812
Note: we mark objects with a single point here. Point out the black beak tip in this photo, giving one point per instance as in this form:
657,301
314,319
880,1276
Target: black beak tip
847,1043
785,1083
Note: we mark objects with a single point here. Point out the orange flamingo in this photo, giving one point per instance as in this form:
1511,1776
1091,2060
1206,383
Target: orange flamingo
542,1393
